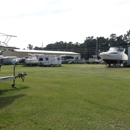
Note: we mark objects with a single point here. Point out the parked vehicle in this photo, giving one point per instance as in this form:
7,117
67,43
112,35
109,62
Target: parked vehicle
49,60
69,59
16,61
82,61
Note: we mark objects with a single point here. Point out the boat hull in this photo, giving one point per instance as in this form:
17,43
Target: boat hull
31,62
112,61
113,57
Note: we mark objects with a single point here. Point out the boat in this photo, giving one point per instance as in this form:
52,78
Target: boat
2,49
32,59
4,46
8,60
115,55
94,60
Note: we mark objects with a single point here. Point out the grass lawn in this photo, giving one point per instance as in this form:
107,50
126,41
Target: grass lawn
70,97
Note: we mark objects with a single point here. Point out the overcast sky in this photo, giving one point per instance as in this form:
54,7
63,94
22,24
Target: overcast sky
48,21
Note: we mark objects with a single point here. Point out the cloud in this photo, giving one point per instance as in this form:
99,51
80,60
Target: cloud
48,21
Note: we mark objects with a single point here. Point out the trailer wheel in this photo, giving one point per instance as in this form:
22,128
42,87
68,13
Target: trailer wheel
40,64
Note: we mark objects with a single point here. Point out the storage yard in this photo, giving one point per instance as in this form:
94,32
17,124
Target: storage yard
73,96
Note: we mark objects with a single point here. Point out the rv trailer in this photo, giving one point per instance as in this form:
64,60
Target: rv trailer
49,60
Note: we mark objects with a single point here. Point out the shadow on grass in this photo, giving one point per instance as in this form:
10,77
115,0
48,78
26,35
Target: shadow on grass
11,89
5,101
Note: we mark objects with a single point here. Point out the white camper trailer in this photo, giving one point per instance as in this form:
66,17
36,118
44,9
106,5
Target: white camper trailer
49,60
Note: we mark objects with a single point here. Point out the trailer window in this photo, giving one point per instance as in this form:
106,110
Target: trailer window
67,57
46,58
58,58
40,59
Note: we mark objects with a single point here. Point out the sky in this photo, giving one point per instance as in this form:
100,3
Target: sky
41,22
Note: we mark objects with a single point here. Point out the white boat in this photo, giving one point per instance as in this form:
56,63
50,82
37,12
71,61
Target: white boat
94,60
4,46
31,60
114,55
1,56
8,60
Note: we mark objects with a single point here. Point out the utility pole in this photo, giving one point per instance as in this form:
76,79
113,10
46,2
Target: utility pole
97,47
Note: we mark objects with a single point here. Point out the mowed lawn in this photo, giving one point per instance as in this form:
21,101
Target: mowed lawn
70,97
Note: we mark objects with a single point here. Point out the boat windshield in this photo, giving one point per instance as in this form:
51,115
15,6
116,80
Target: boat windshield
119,49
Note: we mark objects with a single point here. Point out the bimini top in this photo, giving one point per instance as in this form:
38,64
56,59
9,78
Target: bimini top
46,52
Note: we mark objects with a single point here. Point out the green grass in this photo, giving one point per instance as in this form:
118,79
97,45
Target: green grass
71,97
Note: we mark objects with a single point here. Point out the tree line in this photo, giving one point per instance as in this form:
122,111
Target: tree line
90,46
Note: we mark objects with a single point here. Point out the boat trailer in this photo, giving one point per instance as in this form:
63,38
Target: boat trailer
14,77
